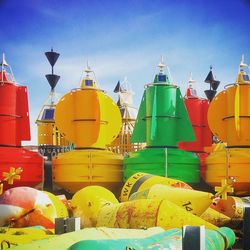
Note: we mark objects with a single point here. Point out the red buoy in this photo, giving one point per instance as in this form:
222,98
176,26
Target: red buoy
14,128
197,110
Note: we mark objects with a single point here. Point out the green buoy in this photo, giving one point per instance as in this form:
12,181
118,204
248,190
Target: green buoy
161,123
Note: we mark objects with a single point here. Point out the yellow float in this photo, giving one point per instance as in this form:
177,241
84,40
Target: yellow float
234,208
229,120
12,237
91,120
99,208
140,181
215,217
192,201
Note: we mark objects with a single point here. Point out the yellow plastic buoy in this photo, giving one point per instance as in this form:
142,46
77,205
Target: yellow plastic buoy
89,119
84,117
215,217
141,181
80,168
12,237
64,241
61,209
232,164
229,120
234,208
148,213
98,207
87,202
192,201
222,120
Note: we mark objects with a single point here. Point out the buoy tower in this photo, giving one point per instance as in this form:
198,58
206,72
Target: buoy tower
91,120
122,144
229,120
50,140
161,123
15,128
197,109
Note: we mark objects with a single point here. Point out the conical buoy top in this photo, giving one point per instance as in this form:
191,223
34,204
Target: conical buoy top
117,87
118,102
52,79
215,84
52,57
210,77
210,94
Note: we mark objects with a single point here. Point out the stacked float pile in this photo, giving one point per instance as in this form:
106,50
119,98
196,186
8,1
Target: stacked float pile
161,205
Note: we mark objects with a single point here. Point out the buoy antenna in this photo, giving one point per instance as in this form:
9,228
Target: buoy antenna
161,65
5,64
88,70
242,62
191,80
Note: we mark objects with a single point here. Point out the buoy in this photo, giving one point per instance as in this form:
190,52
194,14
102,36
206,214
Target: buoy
141,181
91,120
220,239
197,109
101,209
161,123
87,202
15,128
25,206
228,118
192,201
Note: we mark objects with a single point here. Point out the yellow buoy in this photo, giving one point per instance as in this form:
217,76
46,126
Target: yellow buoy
234,208
229,120
215,217
91,120
141,181
148,213
80,168
87,202
222,120
98,207
231,163
192,201
84,116
61,209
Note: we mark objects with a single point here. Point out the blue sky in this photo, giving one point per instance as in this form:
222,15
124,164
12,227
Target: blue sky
122,38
